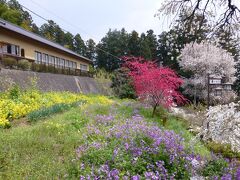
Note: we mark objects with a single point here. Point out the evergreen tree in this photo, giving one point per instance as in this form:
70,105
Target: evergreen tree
68,41
115,42
25,17
35,29
145,50
79,45
91,50
134,44
228,41
152,42
8,14
53,32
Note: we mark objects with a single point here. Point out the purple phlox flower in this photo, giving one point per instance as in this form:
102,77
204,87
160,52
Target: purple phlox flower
136,152
88,177
126,146
151,176
114,174
226,177
96,145
238,174
136,177
82,178
161,169
104,168
195,163
93,130
115,152
82,166
137,117
104,119
80,150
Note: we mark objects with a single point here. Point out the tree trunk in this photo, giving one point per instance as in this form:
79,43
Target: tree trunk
195,98
164,120
154,110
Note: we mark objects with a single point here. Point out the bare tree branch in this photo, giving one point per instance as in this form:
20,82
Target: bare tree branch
195,8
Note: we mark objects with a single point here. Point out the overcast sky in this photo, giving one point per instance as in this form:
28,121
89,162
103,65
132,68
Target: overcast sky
93,18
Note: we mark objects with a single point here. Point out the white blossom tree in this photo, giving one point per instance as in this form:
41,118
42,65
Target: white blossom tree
203,59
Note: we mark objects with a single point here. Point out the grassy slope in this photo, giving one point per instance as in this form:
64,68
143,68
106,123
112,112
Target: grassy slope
45,149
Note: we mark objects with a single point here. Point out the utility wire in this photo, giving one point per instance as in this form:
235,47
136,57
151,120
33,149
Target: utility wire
65,22
34,13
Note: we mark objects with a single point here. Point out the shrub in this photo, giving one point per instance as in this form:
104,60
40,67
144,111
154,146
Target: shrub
215,168
51,69
42,68
35,67
9,62
24,64
102,74
14,92
224,149
46,112
122,85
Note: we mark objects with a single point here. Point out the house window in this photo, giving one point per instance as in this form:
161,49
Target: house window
38,57
218,92
227,87
9,49
17,50
61,62
22,52
51,60
57,61
4,49
74,65
66,63
45,58
12,49
70,64
83,67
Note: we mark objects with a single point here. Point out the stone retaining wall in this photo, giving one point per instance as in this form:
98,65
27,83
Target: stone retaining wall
53,82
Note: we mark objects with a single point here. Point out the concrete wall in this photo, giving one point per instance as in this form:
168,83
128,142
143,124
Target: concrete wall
30,46
53,82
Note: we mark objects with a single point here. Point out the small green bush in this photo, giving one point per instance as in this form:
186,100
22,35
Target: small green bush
9,62
42,68
214,168
51,69
14,92
122,85
24,64
35,67
46,112
223,149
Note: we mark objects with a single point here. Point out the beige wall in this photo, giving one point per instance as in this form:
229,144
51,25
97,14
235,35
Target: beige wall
30,46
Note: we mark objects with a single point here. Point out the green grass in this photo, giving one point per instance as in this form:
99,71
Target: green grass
43,150
46,149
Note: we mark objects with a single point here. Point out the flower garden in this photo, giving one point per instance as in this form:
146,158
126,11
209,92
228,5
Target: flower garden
101,138
16,104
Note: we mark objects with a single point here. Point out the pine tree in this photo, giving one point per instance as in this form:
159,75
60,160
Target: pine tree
79,45
91,50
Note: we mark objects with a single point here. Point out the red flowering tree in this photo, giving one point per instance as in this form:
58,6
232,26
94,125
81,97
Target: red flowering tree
158,86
